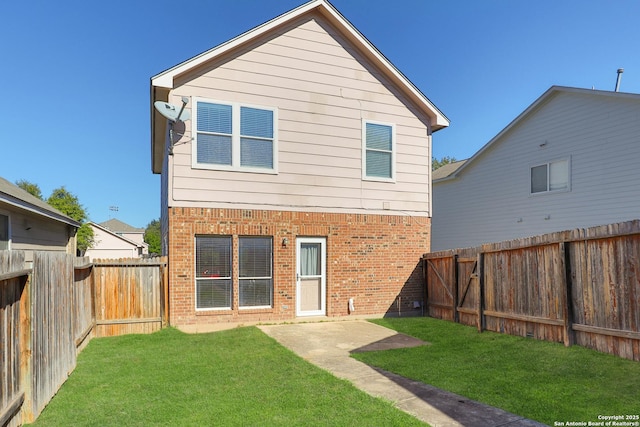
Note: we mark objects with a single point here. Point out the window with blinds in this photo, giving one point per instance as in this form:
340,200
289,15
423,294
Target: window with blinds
213,272
255,288
214,278
234,137
214,137
378,151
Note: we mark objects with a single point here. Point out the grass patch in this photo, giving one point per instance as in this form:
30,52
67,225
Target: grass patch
236,377
539,380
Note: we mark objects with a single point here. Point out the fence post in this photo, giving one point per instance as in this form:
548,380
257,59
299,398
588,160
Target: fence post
566,291
480,271
456,315
26,351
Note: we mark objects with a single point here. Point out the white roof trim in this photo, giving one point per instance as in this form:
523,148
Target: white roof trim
166,78
15,202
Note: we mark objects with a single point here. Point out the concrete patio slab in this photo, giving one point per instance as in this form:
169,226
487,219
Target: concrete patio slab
329,345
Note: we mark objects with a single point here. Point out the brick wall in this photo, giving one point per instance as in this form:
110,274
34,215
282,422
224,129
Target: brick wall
373,259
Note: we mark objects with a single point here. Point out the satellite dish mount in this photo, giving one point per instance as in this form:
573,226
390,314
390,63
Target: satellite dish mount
174,116
171,112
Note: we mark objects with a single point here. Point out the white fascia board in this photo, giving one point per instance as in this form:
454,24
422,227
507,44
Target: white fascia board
440,120
166,78
39,211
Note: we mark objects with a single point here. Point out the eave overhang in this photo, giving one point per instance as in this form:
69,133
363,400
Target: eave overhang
164,82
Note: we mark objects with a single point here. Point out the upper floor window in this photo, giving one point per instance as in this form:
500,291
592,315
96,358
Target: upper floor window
231,136
552,176
4,232
378,151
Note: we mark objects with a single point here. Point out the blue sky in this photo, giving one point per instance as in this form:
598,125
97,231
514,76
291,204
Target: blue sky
75,74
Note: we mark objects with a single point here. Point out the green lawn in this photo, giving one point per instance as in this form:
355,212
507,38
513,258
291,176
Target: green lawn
239,377
539,380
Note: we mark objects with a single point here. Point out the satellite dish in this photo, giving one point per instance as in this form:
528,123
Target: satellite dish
172,112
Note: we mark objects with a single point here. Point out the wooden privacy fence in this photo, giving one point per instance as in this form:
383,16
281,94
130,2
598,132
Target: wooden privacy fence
50,311
130,295
577,287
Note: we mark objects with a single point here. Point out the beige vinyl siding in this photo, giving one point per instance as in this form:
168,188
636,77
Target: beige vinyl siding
30,232
490,200
322,91
108,246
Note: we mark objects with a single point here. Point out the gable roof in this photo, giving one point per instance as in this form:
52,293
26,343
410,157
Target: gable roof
546,96
446,170
162,83
114,234
117,226
16,196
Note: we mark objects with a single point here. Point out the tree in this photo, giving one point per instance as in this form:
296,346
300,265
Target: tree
152,237
30,188
435,163
69,205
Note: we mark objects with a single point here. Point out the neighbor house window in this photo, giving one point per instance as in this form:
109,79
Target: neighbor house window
213,272
4,232
255,288
378,151
234,137
552,176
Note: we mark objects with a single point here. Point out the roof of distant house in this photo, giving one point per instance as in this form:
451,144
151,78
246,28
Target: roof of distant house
117,235
16,196
446,170
117,226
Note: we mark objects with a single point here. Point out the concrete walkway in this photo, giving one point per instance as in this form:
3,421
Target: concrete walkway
329,344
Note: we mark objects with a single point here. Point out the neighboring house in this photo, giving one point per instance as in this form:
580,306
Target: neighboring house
30,224
570,160
125,230
109,244
300,183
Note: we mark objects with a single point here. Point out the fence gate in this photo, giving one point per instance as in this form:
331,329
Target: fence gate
453,288
468,283
441,288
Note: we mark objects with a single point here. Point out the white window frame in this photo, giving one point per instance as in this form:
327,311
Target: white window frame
548,165
196,278
8,216
235,138
241,279
366,177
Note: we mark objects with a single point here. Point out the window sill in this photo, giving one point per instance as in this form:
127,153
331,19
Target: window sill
541,193
373,179
261,309
222,168
214,312
230,312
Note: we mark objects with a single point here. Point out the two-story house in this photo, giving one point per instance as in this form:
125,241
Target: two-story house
296,181
569,160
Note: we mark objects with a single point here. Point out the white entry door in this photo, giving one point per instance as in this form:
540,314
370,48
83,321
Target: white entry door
311,271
